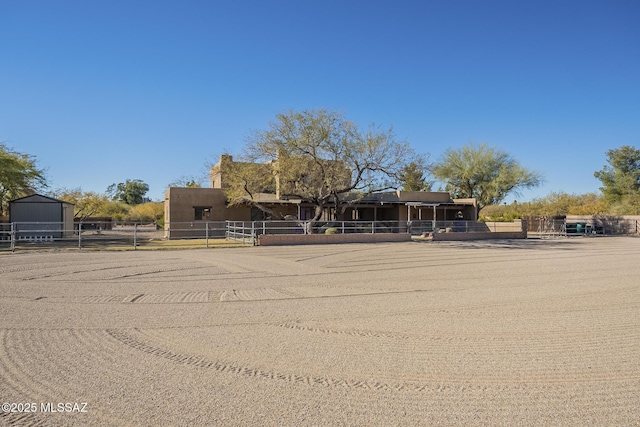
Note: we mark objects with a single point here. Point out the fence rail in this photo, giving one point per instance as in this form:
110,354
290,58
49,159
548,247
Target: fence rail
555,227
34,235
203,233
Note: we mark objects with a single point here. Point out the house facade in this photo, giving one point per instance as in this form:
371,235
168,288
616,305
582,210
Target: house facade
189,210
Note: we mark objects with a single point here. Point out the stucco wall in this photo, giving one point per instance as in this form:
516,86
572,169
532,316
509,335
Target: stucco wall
490,230
314,239
480,236
504,226
189,198
180,204
424,196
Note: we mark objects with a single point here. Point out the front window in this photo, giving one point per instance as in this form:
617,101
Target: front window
202,213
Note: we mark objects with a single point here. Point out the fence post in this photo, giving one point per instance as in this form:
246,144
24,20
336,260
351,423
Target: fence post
135,235
253,233
79,235
206,234
13,237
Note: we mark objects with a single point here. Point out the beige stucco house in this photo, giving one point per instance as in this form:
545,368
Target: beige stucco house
189,210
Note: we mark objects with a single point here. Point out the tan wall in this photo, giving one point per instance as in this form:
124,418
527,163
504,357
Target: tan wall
215,174
480,236
424,196
494,230
314,239
180,204
504,226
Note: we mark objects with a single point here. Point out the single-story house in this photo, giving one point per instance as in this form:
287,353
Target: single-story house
188,211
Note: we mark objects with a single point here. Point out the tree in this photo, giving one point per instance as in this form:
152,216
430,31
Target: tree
146,212
85,204
186,181
130,192
117,210
19,176
319,157
560,203
621,178
551,205
412,177
484,173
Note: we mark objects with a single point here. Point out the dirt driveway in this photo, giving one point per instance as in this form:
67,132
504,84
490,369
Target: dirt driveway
526,332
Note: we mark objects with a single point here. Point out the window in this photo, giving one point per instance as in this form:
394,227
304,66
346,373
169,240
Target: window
202,213
306,213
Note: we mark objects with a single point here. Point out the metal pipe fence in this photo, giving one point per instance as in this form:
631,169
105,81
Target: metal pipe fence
248,231
39,235
590,226
111,235
114,235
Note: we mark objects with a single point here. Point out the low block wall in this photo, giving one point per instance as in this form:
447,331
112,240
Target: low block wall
313,239
497,227
480,236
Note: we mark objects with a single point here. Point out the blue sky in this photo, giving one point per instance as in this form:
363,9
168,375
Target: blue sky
104,91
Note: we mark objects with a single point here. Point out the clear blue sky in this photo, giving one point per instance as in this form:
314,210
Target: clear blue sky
104,91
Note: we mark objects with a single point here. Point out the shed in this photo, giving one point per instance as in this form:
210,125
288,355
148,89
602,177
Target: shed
39,216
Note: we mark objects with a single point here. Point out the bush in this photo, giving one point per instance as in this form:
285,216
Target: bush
331,230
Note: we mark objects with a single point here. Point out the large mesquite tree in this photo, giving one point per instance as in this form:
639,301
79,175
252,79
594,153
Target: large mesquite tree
319,157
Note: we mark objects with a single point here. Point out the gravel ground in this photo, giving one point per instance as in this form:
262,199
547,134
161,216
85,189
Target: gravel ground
534,332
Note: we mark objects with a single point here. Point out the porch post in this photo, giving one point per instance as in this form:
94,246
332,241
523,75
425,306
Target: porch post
434,217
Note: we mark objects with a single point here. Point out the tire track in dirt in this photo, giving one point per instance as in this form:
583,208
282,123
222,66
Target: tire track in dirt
247,371
165,298
561,349
79,275
432,383
529,352
22,383
63,365
348,332
550,338
257,294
